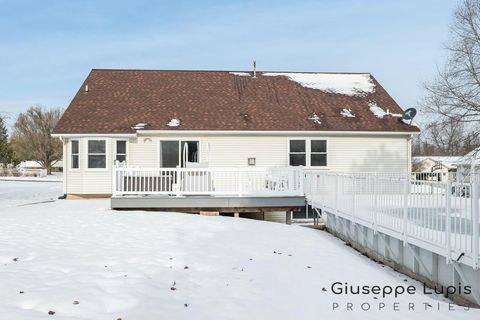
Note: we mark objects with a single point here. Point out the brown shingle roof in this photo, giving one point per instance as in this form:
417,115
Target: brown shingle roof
217,100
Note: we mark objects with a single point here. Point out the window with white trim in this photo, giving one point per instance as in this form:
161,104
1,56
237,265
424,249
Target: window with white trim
308,152
318,153
121,150
298,153
74,150
97,154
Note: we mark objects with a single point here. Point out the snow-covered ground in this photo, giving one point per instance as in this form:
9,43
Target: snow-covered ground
81,260
54,177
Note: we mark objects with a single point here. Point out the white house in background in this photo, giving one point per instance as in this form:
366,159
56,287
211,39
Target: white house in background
31,167
434,164
162,119
470,161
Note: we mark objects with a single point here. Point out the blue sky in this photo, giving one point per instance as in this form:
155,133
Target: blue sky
48,47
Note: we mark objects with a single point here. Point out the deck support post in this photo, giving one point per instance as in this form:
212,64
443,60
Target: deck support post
288,216
458,274
418,262
236,214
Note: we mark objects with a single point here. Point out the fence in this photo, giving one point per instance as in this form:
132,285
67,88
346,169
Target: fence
441,215
207,181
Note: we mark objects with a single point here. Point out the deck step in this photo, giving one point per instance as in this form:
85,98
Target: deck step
309,223
320,226
209,213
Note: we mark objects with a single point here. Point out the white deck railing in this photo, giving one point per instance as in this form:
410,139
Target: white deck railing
439,215
207,181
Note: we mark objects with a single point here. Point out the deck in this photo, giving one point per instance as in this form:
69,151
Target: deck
197,203
203,189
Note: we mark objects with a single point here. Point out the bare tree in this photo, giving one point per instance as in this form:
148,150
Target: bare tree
455,92
31,137
446,137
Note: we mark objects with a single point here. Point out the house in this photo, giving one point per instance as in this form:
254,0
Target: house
434,164
31,167
434,167
156,119
469,162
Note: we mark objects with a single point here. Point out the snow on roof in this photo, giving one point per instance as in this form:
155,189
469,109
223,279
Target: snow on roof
315,118
347,113
140,126
241,74
470,157
410,122
174,122
379,112
449,161
347,84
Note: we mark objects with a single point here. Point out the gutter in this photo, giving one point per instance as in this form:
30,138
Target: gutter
232,133
269,133
76,135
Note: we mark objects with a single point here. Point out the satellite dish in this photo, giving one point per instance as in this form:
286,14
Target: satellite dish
409,114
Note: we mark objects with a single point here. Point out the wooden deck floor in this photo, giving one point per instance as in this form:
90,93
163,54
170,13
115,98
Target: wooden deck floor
205,203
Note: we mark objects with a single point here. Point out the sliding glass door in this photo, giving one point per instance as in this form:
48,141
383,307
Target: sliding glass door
174,153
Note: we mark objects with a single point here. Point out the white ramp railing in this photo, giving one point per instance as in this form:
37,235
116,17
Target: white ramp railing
207,181
441,215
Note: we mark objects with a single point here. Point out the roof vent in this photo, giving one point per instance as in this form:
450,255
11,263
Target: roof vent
254,69
347,113
86,88
174,122
140,126
315,118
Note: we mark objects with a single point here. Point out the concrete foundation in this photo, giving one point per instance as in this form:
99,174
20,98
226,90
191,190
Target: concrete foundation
416,262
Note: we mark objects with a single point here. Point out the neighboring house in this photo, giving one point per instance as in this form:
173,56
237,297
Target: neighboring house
327,121
434,164
470,161
33,167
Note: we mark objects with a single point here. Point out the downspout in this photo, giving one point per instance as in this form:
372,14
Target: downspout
409,154
65,165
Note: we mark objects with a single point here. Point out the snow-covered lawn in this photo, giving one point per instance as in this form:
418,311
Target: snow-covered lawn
81,260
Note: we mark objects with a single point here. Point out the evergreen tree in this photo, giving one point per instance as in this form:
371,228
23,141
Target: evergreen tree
6,153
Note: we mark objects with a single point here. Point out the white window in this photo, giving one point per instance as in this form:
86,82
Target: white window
298,153
97,154
318,153
74,154
308,152
121,151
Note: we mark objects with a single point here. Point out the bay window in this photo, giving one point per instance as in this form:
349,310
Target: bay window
74,154
97,154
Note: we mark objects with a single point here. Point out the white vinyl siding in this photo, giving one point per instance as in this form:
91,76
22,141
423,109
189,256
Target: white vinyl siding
344,153
84,180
